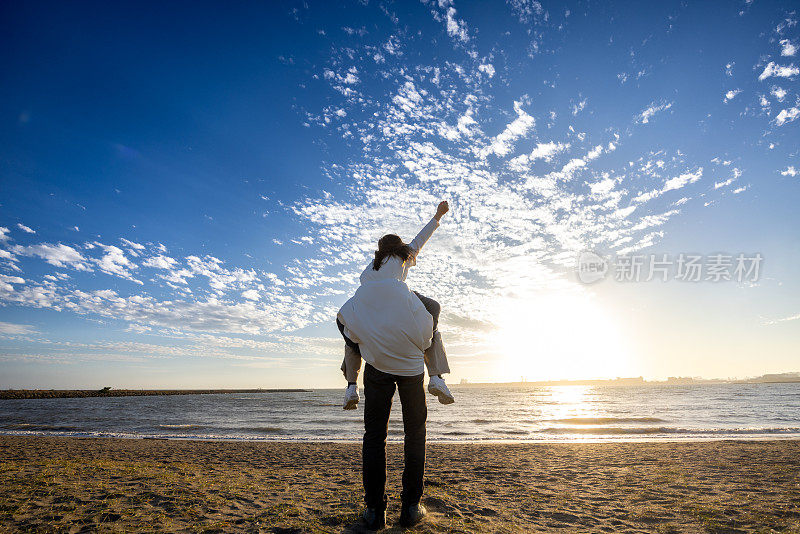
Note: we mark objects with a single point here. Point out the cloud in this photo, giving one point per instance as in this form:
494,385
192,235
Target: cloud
6,282
787,47
420,129
132,245
115,262
783,319
577,108
787,115
790,171
58,255
16,329
785,24
4,233
526,10
543,151
730,95
682,180
251,294
209,314
519,127
456,28
647,113
773,69
487,69
25,229
735,176
160,262
779,93
671,184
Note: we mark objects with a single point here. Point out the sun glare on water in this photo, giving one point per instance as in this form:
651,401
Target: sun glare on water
559,337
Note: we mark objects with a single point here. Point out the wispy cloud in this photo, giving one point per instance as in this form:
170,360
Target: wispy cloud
652,109
14,329
26,229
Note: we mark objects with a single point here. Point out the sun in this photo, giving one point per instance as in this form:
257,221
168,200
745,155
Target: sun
559,336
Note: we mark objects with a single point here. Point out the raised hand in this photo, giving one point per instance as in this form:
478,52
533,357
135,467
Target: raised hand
443,208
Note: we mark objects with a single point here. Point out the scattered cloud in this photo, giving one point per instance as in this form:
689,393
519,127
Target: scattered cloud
26,229
787,115
523,201
526,10
778,71
730,95
778,92
487,68
652,109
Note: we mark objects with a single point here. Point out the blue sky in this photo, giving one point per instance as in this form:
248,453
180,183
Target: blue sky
189,194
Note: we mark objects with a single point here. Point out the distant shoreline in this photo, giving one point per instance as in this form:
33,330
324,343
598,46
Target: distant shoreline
11,394
625,382
772,378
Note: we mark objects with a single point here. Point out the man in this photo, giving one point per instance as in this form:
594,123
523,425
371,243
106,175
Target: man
392,328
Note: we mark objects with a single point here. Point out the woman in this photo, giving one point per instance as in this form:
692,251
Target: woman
392,261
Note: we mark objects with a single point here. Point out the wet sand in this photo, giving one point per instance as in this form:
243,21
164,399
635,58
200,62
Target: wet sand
82,485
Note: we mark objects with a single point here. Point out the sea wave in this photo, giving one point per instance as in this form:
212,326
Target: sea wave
41,427
260,429
556,435
646,430
606,420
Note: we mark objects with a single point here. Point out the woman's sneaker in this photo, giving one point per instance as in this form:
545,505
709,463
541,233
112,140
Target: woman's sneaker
351,397
437,387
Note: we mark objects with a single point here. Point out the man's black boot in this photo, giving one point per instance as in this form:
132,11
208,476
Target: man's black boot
374,519
412,514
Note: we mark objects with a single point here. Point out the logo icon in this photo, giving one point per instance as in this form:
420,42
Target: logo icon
591,267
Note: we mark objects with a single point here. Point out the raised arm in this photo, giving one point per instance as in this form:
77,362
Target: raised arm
427,231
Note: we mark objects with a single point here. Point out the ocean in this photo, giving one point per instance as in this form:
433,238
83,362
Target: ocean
497,412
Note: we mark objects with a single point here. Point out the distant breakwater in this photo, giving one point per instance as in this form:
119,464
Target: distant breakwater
107,392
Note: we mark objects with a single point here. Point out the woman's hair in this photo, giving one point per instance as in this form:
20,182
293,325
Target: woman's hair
390,245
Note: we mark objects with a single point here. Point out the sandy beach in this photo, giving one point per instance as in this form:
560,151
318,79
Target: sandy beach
77,485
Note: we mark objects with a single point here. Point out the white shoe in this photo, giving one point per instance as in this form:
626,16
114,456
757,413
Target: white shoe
437,387
351,397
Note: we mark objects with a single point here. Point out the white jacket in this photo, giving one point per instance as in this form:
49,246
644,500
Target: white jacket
388,321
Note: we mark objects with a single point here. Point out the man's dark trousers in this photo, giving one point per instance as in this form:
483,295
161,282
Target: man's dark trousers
379,389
